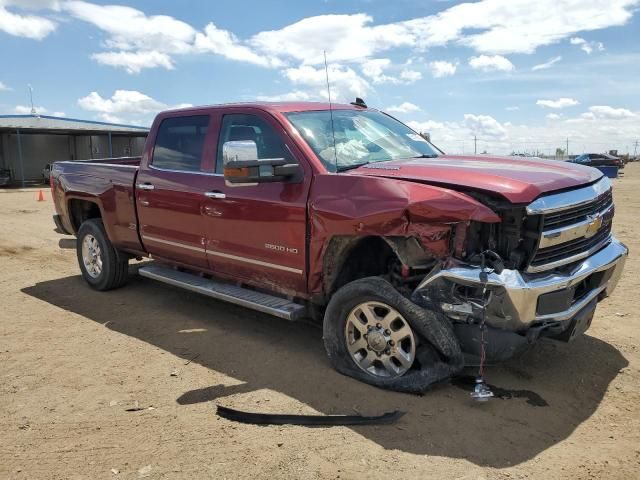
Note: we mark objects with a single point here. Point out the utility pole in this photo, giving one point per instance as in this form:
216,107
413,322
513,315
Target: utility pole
566,152
635,148
33,110
475,145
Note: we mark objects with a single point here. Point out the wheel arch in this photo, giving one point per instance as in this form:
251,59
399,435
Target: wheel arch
349,258
81,209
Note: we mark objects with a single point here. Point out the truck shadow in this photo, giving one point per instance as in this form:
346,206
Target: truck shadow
268,353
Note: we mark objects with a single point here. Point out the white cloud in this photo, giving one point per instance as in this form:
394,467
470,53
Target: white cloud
130,29
440,68
344,81
559,103
25,110
25,25
484,126
34,4
404,107
410,76
145,41
587,47
222,42
519,26
4,87
553,116
134,62
375,70
512,108
488,63
488,26
546,65
584,134
604,111
294,96
345,38
123,104
427,126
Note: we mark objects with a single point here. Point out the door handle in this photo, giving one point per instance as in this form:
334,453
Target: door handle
216,194
145,186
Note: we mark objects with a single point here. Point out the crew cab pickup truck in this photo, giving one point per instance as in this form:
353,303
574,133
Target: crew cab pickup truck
413,260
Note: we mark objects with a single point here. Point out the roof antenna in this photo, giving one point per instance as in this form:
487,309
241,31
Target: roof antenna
333,131
33,110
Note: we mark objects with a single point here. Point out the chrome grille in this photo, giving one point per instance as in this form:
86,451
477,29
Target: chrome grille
574,250
574,225
578,214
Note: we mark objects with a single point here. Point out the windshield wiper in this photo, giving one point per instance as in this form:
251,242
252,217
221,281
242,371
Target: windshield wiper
344,168
427,155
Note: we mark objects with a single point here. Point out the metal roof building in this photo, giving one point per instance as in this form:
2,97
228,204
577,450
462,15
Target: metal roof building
29,142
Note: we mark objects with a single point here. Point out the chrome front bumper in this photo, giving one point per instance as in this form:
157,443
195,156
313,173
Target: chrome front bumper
513,303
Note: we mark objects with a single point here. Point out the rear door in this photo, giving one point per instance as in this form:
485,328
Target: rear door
258,232
170,189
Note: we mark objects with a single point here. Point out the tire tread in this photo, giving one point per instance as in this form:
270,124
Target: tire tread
115,270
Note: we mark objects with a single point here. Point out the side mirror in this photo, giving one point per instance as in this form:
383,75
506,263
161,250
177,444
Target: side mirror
242,166
239,150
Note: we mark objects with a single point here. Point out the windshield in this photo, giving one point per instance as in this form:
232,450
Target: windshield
361,137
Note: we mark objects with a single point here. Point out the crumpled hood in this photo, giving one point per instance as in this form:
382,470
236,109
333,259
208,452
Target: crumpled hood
519,180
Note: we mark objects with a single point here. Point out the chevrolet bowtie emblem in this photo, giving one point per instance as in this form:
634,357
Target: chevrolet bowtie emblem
594,226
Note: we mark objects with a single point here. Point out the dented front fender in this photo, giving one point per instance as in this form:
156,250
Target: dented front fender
346,205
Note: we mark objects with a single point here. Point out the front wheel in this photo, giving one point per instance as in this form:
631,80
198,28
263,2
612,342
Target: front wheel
373,333
101,265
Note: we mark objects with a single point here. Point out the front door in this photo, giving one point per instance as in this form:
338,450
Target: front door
258,232
170,190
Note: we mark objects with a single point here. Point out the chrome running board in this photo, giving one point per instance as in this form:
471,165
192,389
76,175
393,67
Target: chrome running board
262,302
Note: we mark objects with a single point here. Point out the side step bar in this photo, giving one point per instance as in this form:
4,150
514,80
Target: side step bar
262,302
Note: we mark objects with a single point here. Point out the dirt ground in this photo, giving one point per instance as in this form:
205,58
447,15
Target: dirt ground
73,361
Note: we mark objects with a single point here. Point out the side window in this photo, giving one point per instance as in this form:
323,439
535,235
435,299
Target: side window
179,143
269,143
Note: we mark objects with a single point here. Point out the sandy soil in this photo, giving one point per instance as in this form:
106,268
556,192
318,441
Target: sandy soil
72,361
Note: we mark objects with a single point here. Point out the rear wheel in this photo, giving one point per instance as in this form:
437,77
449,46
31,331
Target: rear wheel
102,266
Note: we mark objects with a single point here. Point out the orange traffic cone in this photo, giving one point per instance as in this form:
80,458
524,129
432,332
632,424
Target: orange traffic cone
40,196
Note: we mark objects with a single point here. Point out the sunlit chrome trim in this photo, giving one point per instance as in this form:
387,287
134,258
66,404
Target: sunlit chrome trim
174,244
521,290
255,262
571,259
578,230
571,199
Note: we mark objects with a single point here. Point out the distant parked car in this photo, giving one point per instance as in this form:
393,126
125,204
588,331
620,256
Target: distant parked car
598,160
46,171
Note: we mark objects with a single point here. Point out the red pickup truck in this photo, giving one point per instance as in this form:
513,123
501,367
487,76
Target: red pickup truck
413,260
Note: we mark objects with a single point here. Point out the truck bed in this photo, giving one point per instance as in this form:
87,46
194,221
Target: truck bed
108,182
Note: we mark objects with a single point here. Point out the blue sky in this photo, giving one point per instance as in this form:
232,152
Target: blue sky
519,75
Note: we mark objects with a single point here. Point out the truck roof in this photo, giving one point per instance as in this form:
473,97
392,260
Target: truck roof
279,107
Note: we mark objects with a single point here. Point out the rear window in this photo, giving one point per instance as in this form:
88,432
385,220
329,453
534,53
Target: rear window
179,143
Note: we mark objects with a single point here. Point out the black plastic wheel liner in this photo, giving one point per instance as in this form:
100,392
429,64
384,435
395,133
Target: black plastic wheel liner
311,420
438,356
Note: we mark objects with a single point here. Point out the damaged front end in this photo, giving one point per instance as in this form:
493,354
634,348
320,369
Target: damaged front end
490,276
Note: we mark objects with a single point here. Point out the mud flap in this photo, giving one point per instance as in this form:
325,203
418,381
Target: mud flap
438,356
